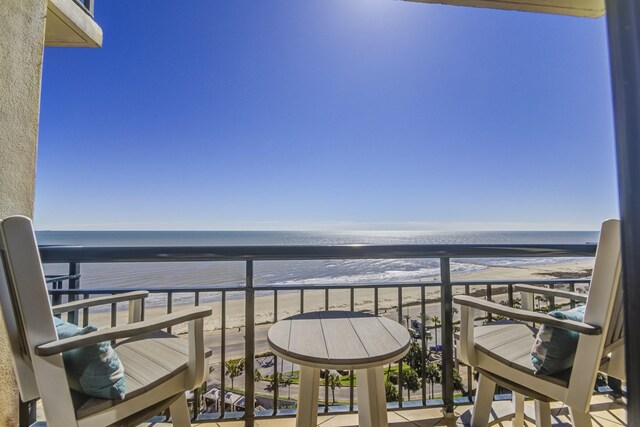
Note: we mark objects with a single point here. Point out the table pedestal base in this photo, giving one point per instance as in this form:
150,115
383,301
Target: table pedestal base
372,402
307,413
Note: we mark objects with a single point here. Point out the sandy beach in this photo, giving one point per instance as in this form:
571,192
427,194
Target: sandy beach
339,299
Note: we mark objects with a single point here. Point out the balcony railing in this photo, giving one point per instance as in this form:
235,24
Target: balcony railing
69,288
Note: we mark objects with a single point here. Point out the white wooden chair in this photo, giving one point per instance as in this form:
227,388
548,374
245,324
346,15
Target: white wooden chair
159,367
501,352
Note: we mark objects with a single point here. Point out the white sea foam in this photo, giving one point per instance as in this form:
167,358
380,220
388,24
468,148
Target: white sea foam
287,273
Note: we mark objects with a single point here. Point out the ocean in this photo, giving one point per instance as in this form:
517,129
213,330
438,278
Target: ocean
283,273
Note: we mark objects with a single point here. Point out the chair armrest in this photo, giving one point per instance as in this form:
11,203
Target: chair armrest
575,296
124,331
92,302
526,316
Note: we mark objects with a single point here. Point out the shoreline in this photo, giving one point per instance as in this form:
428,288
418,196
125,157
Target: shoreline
288,302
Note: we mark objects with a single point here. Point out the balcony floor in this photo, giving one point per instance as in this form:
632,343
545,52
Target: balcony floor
604,413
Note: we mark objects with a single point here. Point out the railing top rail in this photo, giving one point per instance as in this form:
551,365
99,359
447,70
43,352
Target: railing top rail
64,254
316,287
50,278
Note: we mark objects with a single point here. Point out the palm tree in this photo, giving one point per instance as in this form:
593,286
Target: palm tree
410,380
277,380
333,380
457,382
407,318
414,357
433,375
427,338
257,376
234,368
436,324
390,391
285,381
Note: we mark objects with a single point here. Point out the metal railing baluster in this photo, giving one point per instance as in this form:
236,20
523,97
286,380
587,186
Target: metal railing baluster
250,347
169,307
85,313
446,296
351,394
114,314
326,372
223,348
56,298
489,298
467,291
276,388
375,301
510,294
423,344
73,283
400,361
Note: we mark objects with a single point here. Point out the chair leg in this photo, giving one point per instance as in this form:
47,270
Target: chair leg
180,412
580,419
483,401
543,414
518,409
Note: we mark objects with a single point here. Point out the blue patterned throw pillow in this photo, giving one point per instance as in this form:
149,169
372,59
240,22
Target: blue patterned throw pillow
555,348
94,370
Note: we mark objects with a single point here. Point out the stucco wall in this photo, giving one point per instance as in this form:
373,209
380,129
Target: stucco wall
22,29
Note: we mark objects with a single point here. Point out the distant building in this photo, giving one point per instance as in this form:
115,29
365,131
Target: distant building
233,402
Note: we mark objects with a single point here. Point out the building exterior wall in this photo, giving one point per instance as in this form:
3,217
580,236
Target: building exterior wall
22,31
22,26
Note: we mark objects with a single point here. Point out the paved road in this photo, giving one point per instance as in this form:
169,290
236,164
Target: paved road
235,337
235,347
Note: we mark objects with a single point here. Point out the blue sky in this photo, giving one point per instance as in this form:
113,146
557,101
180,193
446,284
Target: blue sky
327,114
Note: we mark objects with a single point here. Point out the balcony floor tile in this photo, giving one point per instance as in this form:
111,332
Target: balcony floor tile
604,412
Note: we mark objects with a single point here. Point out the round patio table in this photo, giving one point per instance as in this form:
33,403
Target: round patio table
340,340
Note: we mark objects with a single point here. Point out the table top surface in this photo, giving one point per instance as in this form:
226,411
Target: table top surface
339,339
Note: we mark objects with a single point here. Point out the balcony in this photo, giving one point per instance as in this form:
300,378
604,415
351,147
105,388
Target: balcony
70,23
425,306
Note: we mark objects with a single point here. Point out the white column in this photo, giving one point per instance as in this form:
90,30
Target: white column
372,402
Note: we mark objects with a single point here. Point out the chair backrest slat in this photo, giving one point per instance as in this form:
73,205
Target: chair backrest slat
17,339
25,302
616,331
604,298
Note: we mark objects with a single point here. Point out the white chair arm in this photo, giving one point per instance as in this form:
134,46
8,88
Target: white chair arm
124,331
92,302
